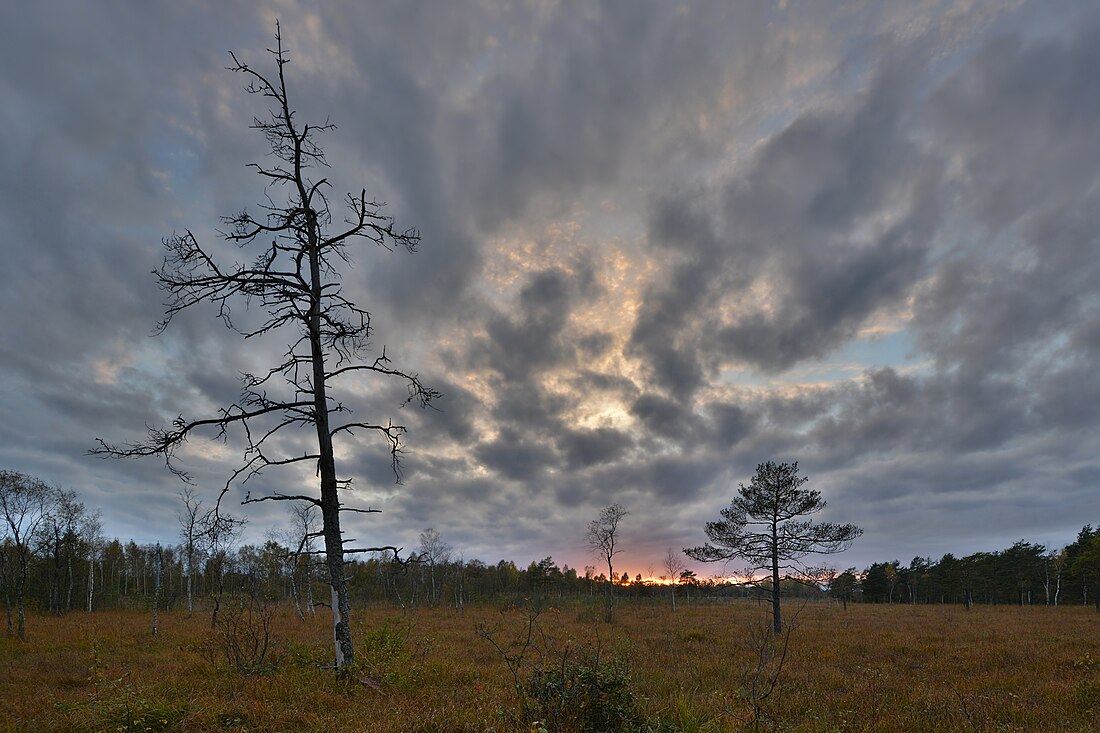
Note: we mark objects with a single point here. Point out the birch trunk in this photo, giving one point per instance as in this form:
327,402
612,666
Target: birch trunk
156,590
91,580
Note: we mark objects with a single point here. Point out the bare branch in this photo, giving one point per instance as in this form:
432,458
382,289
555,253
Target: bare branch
368,510
280,497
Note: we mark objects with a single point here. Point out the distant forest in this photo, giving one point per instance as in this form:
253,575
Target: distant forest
63,563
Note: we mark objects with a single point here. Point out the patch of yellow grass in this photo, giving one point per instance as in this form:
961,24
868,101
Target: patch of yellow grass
870,668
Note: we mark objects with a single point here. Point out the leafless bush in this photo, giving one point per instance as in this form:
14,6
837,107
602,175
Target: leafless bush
242,639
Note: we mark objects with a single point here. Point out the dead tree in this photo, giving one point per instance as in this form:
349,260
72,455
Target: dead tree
190,521
295,280
219,532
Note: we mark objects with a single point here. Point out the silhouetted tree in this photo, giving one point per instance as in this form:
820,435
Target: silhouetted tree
762,527
1087,566
603,540
190,520
673,564
876,584
295,279
842,586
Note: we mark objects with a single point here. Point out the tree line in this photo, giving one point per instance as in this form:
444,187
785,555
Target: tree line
1023,574
55,559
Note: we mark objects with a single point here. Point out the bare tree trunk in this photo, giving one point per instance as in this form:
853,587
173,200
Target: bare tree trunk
20,598
91,580
309,591
341,611
330,500
219,586
156,589
55,586
609,612
190,573
777,617
69,590
295,595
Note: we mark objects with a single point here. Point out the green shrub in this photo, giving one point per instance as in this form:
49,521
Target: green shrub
389,655
584,695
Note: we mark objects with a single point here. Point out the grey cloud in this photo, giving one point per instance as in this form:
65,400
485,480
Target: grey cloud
1019,121
515,457
804,222
534,337
584,448
730,423
665,418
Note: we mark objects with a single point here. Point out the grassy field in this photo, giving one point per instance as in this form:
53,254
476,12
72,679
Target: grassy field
867,668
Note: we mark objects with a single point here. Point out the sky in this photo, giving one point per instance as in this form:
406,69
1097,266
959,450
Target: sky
662,242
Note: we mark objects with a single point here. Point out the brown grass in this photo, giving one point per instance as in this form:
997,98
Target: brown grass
870,668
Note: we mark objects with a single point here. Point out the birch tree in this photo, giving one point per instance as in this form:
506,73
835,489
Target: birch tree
673,565
94,534
295,279
435,552
24,503
603,540
190,520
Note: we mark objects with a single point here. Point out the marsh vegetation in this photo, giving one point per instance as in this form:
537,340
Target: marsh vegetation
868,668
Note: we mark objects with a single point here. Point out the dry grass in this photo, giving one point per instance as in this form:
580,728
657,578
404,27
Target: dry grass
870,668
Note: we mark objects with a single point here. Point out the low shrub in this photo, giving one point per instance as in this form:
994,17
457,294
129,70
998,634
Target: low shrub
243,638
584,695
559,691
389,655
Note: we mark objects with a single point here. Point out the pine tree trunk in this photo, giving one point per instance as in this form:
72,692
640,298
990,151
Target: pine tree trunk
777,617
330,501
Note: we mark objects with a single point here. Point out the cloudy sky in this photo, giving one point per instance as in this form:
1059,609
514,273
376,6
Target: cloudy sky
661,243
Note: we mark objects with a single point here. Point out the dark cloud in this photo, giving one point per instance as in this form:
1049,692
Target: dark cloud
533,338
515,458
584,448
